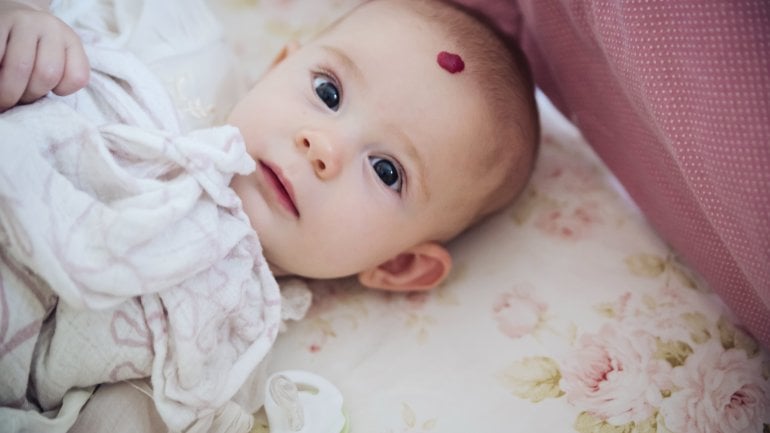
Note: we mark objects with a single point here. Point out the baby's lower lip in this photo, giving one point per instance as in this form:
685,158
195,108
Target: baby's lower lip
281,192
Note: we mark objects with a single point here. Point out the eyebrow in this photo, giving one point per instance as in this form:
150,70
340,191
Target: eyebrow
344,60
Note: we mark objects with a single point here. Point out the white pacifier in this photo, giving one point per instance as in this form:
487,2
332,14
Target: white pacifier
298,401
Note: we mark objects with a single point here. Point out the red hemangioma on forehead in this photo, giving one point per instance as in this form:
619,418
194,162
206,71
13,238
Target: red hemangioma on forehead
451,62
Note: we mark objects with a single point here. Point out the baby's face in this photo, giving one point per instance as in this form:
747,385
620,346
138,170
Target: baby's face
363,146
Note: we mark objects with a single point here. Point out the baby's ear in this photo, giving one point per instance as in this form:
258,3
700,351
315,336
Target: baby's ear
287,49
421,267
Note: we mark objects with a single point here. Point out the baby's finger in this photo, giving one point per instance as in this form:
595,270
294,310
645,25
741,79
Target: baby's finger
18,62
76,69
48,69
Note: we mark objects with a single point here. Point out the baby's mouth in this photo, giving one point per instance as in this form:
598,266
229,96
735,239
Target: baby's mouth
281,186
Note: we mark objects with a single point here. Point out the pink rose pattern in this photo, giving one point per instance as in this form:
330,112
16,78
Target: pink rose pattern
718,391
572,222
517,313
614,375
658,361
570,193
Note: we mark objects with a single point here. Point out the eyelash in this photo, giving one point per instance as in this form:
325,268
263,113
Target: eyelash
326,72
402,178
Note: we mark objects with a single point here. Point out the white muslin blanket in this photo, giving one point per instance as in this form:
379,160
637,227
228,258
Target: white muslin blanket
124,254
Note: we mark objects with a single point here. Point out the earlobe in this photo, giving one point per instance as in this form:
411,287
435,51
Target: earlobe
421,267
287,49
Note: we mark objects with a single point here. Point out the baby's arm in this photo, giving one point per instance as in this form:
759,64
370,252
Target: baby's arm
38,53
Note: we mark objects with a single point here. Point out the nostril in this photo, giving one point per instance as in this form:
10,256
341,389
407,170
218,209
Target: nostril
320,165
306,143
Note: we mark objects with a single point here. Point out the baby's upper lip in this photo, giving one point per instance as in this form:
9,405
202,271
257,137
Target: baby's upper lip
281,185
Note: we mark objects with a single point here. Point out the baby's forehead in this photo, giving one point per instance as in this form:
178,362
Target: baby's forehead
418,86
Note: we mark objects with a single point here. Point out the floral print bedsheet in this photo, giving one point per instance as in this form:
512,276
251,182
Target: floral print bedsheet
565,311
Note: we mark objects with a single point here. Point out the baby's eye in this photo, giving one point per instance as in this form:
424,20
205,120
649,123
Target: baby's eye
327,90
388,172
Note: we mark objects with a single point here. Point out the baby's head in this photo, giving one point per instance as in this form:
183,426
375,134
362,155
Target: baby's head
373,149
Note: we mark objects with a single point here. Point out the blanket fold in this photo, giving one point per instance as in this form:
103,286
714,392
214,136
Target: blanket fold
125,254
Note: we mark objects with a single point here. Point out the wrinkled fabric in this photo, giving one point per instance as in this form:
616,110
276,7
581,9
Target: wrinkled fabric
125,254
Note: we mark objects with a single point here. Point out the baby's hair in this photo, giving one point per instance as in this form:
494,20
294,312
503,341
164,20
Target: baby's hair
501,71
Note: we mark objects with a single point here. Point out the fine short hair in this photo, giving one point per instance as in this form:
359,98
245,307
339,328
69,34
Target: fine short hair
502,73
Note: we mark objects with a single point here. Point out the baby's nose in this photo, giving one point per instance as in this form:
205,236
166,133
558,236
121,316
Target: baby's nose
323,153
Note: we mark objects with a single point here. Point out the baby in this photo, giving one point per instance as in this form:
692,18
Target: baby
372,151
374,144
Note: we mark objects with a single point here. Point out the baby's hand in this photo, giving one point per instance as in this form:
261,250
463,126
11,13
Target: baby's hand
38,53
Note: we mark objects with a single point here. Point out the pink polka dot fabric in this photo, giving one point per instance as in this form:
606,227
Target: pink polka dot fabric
675,98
